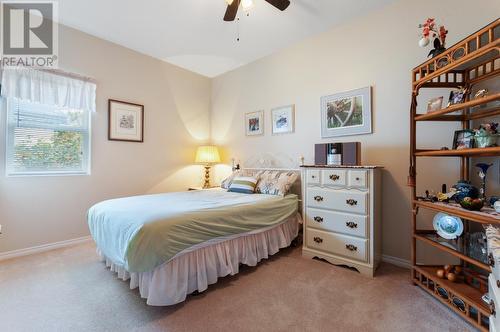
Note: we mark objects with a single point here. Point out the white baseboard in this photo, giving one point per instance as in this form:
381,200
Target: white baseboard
396,261
42,248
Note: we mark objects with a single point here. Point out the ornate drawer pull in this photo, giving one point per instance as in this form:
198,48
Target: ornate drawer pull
491,260
318,219
498,283
351,224
334,177
351,202
351,247
491,304
318,198
318,239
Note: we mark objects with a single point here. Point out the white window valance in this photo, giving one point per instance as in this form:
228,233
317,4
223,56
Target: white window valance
47,88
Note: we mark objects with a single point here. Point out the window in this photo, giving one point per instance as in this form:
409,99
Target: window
46,140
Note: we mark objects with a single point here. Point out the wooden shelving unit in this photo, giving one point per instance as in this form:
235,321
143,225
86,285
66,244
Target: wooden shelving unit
473,60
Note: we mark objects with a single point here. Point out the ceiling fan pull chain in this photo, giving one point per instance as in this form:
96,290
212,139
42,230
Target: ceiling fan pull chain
238,29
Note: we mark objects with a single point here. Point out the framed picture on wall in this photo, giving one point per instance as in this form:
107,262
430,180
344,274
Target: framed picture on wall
283,119
347,113
125,121
254,123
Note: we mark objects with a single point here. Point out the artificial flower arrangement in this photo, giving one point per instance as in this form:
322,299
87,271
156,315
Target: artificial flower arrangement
486,135
430,30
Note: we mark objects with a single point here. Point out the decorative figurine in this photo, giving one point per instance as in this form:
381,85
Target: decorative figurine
483,169
481,93
486,135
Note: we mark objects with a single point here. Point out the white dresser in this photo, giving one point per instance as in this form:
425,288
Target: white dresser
342,221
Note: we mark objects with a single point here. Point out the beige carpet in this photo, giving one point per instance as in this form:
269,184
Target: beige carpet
70,290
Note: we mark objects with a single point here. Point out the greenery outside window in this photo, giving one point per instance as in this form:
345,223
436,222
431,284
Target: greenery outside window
46,140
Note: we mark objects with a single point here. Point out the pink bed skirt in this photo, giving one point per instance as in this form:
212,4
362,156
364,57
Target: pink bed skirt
194,270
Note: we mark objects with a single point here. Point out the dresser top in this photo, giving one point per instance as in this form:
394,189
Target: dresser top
343,166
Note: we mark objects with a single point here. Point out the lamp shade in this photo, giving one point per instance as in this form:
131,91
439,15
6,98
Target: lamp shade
207,154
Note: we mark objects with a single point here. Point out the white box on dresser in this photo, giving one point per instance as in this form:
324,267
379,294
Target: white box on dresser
342,221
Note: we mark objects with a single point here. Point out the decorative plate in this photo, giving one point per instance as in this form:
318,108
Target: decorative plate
448,227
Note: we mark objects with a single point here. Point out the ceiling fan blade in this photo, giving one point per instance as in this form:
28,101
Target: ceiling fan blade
280,4
232,10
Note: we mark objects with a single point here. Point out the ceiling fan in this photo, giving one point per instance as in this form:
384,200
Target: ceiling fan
233,5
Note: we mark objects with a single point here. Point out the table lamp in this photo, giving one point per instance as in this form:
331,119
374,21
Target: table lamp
208,155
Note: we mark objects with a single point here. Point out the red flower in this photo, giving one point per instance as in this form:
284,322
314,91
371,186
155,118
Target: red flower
430,23
442,33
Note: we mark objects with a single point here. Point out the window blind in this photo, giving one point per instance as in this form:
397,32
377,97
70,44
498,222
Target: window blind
45,139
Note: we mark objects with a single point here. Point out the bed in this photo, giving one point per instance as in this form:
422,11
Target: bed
173,244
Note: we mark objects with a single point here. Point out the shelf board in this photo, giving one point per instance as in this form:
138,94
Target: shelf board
459,289
436,115
432,239
475,152
486,216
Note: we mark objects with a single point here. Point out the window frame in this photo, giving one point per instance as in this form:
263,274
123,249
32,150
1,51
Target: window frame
9,146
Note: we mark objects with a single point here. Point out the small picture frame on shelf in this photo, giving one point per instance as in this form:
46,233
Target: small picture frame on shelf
434,104
457,96
463,139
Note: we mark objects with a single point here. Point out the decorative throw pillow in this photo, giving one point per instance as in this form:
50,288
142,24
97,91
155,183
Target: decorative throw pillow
243,184
227,181
276,182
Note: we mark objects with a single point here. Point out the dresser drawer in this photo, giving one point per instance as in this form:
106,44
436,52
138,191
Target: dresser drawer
358,179
334,177
313,176
337,244
339,222
342,200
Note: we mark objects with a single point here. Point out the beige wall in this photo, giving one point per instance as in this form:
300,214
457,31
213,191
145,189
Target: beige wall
40,210
377,50
183,109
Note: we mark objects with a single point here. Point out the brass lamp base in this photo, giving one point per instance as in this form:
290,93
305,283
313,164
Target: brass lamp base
206,184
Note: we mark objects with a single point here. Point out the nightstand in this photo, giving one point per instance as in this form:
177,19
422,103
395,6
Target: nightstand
200,188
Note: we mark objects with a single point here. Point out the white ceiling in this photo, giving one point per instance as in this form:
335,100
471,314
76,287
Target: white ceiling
192,34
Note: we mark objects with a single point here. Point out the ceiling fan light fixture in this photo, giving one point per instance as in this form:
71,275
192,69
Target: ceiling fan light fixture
246,4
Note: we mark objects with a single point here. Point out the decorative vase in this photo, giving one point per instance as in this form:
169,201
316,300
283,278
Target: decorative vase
483,170
465,189
438,50
484,141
